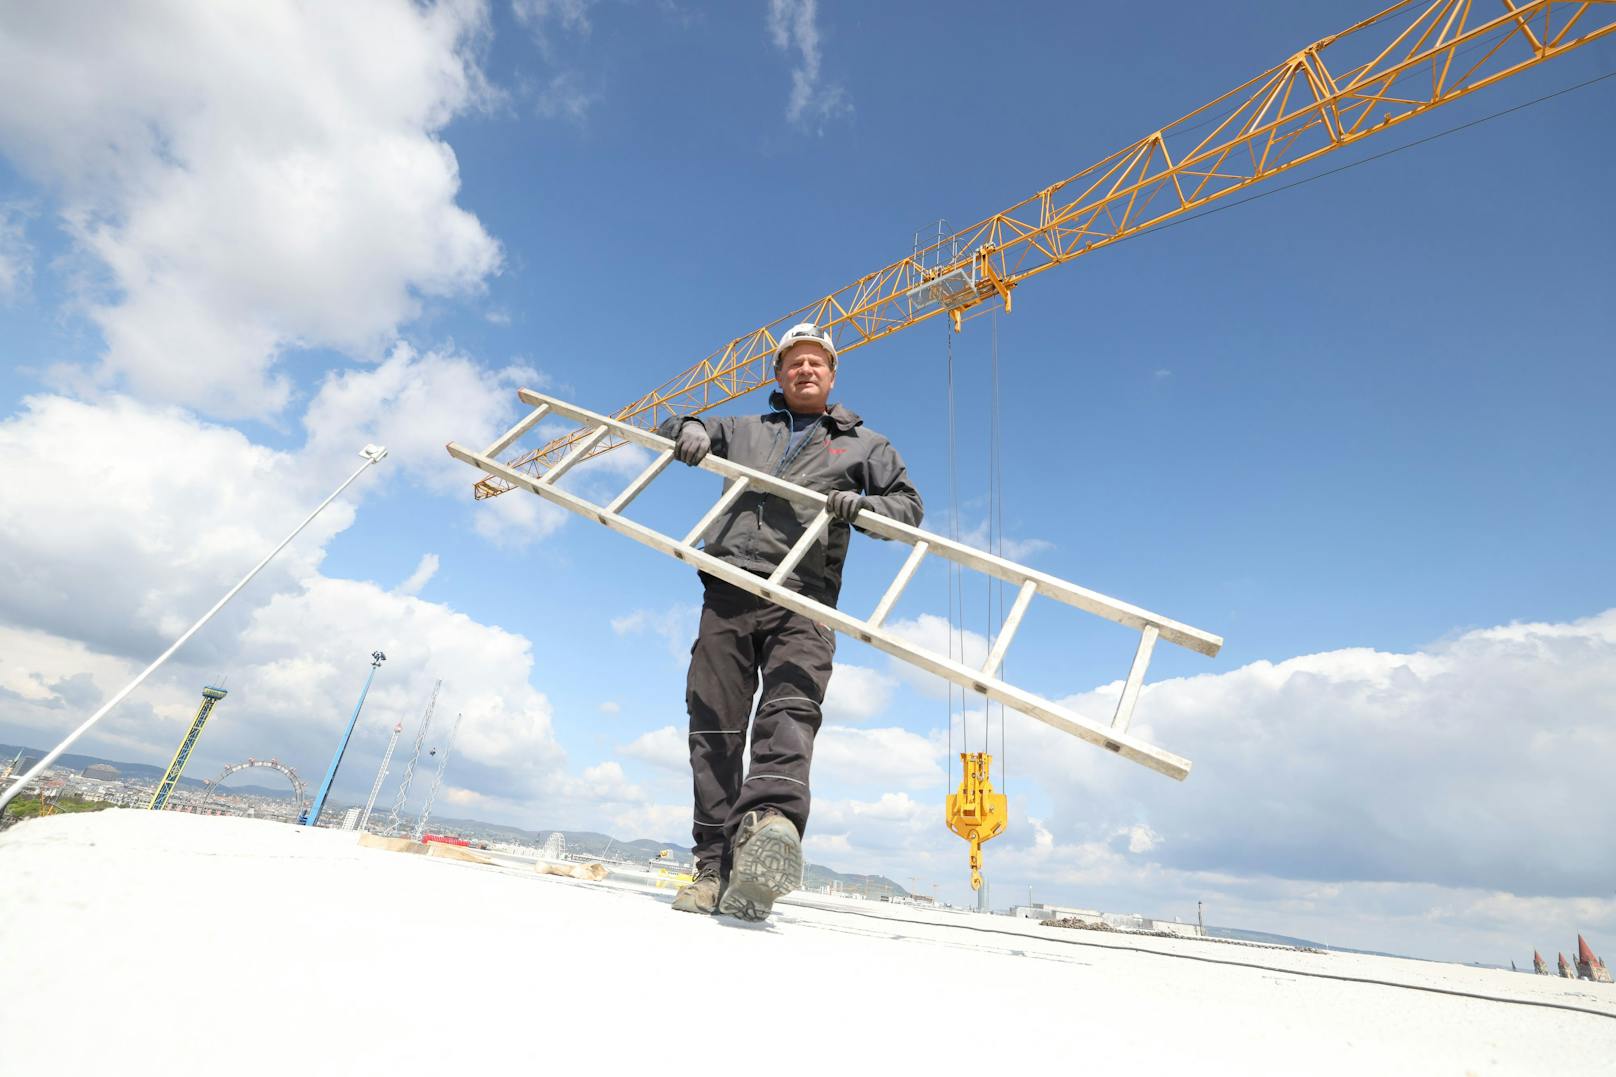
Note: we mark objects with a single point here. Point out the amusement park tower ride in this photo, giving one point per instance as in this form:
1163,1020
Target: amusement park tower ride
210,696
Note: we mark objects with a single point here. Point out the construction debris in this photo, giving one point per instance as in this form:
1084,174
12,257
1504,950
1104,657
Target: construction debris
591,872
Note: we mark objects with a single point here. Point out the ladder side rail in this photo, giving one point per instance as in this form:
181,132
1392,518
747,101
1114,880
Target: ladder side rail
1071,594
1130,748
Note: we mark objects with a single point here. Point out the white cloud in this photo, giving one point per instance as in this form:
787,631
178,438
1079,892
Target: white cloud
1443,802
675,626
516,519
604,796
611,708
935,634
1015,549
1471,765
1141,839
892,835
538,16
413,403
250,184
827,845
562,94
564,98
16,253
794,28
667,748
857,693
877,757
425,569
124,523
303,651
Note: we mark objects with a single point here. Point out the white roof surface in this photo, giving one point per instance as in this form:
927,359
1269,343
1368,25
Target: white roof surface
145,942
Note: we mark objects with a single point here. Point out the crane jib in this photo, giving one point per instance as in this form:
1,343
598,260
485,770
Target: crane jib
1389,68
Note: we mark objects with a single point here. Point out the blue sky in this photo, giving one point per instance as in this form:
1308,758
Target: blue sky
1360,428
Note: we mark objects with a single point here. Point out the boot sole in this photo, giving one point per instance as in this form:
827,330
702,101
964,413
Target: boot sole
769,868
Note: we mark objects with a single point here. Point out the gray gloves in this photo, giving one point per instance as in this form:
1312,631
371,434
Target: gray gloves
844,504
693,443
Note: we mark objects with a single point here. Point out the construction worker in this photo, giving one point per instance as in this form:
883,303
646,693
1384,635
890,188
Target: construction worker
748,834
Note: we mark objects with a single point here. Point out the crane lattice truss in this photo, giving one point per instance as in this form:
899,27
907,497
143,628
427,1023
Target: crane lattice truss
1396,65
395,818
437,780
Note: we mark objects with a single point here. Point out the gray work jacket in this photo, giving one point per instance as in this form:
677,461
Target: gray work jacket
841,453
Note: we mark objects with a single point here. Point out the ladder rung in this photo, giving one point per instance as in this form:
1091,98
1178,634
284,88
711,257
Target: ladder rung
725,500
1008,630
633,489
1136,677
800,548
551,477
899,582
527,423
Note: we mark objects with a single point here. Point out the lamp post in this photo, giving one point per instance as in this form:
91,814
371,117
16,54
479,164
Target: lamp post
376,660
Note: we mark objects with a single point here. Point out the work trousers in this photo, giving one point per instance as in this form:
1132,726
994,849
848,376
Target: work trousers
744,639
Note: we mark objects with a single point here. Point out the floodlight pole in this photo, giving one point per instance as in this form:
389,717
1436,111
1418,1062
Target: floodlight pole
373,454
313,817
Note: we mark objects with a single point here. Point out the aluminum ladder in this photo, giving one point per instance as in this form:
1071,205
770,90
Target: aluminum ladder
984,681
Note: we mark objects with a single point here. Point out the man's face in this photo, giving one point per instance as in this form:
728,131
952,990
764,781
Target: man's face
806,376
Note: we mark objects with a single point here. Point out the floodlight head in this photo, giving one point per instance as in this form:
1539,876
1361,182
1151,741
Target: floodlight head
374,453
377,658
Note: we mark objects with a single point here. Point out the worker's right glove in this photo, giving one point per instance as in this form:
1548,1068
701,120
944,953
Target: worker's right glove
693,443
844,504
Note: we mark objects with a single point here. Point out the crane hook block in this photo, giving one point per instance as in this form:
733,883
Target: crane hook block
976,813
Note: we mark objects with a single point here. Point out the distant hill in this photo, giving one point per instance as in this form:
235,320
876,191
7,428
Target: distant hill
593,843
1240,934
145,771
71,761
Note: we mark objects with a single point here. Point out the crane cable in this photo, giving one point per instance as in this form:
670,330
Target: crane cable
953,576
996,547
994,542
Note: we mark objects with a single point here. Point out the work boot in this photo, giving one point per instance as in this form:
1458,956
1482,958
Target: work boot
768,866
700,894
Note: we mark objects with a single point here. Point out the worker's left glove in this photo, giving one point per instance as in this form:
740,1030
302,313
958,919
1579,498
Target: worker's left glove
693,443
844,504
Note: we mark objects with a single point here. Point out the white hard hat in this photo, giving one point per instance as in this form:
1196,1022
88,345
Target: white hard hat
805,331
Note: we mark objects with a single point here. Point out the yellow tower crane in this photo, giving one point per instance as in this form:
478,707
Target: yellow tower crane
1393,66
